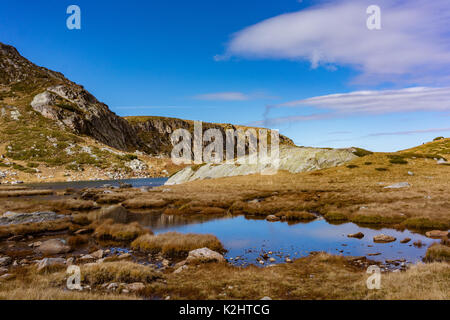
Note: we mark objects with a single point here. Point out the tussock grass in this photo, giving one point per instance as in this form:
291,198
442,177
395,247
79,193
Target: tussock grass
297,215
142,203
176,244
121,271
108,230
34,228
315,277
438,252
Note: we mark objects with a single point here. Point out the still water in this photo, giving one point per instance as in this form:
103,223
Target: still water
248,238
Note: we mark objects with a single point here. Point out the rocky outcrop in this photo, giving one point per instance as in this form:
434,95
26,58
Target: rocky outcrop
79,111
9,218
292,159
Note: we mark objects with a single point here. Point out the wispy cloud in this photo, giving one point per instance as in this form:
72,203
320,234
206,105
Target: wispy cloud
381,101
223,96
234,96
413,44
365,102
402,133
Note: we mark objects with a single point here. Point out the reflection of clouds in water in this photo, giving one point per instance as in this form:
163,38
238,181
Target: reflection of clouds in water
238,243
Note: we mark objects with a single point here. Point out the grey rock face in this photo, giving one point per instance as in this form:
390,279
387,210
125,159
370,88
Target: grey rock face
9,218
292,159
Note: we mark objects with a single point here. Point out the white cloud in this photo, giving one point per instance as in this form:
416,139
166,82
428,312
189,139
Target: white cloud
379,102
402,133
223,96
413,44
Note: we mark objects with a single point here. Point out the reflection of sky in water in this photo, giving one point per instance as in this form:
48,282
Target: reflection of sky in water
239,234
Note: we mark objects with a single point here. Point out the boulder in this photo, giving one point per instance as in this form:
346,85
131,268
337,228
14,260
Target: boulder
53,246
382,238
204,255
437,234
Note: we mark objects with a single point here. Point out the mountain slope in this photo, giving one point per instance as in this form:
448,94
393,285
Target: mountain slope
48,120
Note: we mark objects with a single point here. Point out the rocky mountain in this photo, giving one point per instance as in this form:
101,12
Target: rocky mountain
46,118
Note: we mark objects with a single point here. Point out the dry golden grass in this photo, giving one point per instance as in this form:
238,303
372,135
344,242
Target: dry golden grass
438,252
176,244
122,271
108,230
144,203
34,228
320,276
296,215
30,285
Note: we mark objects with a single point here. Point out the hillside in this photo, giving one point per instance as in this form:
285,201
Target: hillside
53,129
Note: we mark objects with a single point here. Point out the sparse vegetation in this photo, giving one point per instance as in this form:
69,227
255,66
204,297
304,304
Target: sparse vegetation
174,244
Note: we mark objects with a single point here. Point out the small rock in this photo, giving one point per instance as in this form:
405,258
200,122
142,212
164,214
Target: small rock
82,231
437,234
49,262
358,235
204,255
288,260
53,246
136,286
98,254
7,276
3,271
272,218
382,238
398,185
86,257
112,286
406,240
410,173
266,298
124,256
374,254
5,261
272,260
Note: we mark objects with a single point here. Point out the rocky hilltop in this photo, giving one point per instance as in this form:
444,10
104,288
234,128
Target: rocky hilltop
48,120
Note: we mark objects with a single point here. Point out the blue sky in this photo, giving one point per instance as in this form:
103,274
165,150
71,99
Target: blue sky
227,61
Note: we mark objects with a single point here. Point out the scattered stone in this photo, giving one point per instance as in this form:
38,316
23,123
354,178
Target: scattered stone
406,240
53,246
410,173
9,218
266,298
5,261
112,286
398,185
49,262
124,256
272,218
180,269
288,260
374,254
437,234
358,235
136,286
272,260
86,257
204,255
97,254
7,276
35,244
382,238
